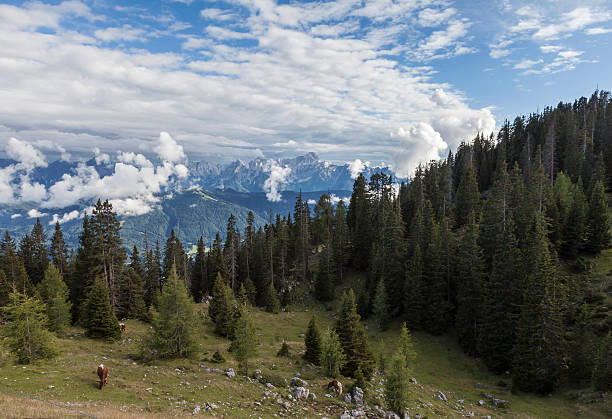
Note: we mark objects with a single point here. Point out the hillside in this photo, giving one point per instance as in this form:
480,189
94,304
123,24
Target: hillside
175,388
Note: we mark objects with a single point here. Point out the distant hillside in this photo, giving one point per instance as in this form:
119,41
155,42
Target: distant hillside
191,213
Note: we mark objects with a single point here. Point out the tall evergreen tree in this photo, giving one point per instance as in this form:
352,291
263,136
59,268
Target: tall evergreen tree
174,255
100,321
406,346
244,338
59,250
25,331
358,220
174,329
220,309
131,302
468,197
602,374
83,273
414,304
396,385
199,277
39,253
332,355
353,339
312,340
380,307
470,272
598,227
54,294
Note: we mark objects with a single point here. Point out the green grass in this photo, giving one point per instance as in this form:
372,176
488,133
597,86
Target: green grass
440,366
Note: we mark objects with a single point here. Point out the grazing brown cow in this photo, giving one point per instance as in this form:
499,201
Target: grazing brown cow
337,386
122,326
102,374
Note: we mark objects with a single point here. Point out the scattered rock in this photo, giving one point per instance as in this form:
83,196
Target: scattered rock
209,407
230,373
196,410
347,398
481,403
441,396
486,417
286,405
500,403
300,393
469,414
478,385
357,395
460,401
391,415
312,396
150,389
298,382
413,380
301,335
269,385
378,410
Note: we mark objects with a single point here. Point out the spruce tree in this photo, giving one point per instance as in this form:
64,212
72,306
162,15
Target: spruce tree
5,290
598,227
284,350
244,339
220,309
332,355
100,321
602,374
271,301
39,253
468,197
414,304
199,277
380,307
131,296
312,340
174,329
59,250
324,284
242,296
470,273
54,294
396,384
25,332
406,346
358,220
574,233
538,357
581,347
353,339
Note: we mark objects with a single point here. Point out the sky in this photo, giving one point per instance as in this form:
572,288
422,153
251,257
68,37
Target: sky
399,82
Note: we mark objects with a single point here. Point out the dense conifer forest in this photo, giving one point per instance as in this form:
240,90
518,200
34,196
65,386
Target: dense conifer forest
487,244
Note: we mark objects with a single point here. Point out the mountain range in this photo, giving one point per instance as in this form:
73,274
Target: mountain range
201,203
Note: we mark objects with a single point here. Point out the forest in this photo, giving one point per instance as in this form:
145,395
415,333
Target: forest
488,244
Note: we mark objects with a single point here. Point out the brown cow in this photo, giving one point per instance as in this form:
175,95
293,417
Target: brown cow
122,326
102,374
337,386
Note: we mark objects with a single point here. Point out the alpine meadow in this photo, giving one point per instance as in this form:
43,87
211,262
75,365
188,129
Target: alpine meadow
305,209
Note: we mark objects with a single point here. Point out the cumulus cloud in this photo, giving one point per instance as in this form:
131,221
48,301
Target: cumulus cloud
72,215
420,143
168,149
356,167
24,153
34,213
13,216
279,176
132,187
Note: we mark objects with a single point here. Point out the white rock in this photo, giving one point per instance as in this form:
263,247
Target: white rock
230,373
300,393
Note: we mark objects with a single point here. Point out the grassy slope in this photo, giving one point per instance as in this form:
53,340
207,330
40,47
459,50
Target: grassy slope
177,386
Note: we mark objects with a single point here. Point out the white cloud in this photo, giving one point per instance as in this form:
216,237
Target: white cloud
598,31
34,213
101,158
13,216
168,149
28,156
419,143
526,63
356,167
72,215
123,33
278,177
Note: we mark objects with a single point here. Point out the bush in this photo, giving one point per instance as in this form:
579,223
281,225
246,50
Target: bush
218,357
274,379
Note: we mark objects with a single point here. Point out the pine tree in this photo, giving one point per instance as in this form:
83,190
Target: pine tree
174,255
406,346
242,296
39,253
271,300
312,339
174,328
602,374
501,303
470,272
83,273
581,347
598,228
353,339
131,296
538,358
54,294
324,284
332,356
284,350
358,220
25,330
230,252
244,340
468,197
574,233
413,291
220,309
380,307
100,321
5,290
199,277
59,250
396,384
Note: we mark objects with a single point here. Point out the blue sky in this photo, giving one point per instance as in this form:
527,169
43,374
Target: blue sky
399,81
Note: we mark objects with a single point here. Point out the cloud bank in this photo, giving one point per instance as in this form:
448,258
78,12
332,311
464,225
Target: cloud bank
279,176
